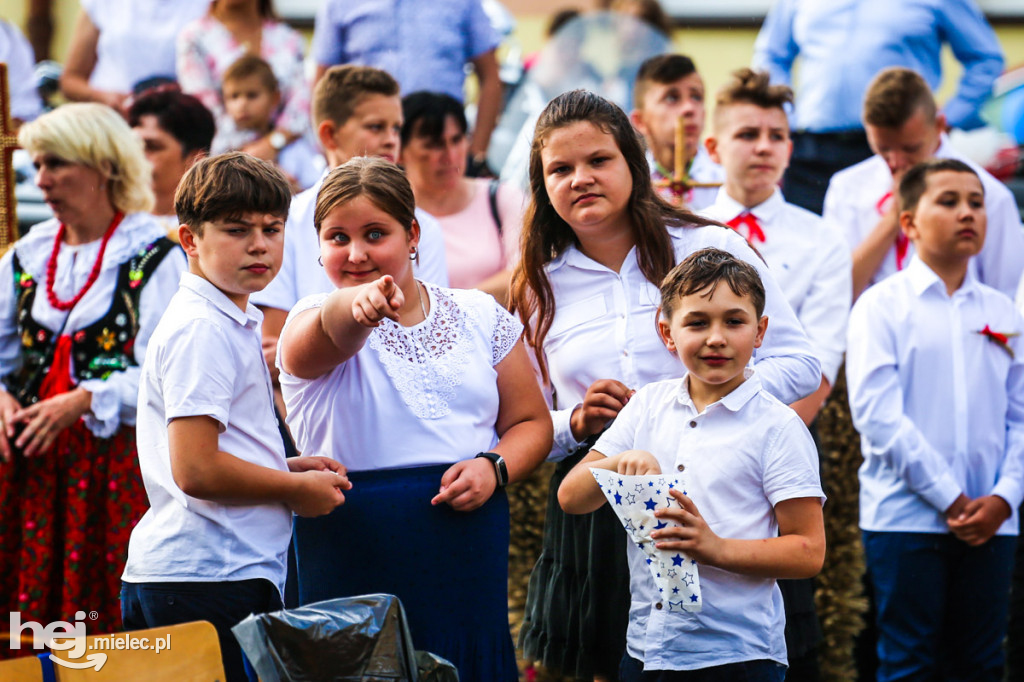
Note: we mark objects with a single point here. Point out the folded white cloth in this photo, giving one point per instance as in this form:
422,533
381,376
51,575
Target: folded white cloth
635,499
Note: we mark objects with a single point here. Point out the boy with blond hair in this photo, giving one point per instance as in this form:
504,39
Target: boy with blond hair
750,139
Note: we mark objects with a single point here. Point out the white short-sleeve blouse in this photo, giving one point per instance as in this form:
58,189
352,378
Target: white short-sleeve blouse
412,396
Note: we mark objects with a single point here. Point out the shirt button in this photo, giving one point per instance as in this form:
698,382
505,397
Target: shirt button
658,606
693,423
680,468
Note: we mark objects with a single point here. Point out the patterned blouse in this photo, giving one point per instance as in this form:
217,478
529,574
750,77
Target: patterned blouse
205,51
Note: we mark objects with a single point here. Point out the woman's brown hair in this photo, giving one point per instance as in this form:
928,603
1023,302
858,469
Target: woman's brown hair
546,235
380,181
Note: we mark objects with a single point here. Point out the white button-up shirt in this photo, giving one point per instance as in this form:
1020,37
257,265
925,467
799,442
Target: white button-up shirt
301,274
206,358
940,407
811,263
740,457
605,327
854,202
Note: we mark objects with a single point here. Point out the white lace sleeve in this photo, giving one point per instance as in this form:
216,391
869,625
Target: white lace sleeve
506,334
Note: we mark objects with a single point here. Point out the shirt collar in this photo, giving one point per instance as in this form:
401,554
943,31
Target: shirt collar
573,257
251,317
765,212
922,278
735,400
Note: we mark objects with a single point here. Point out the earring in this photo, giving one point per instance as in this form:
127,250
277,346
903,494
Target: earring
414,253
320,260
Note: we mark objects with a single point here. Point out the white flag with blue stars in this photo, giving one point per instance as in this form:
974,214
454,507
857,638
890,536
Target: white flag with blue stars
635,499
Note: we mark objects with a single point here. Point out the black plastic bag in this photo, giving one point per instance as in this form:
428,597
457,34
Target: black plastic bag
353,639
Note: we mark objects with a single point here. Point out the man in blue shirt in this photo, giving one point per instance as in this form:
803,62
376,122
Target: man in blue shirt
424,45
842,45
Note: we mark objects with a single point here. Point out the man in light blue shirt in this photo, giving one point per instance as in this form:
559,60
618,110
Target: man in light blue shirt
842,45
424,45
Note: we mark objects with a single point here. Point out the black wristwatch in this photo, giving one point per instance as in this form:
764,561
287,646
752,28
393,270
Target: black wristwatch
500,470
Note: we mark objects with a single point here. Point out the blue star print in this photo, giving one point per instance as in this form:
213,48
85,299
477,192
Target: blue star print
677,560
651,504
618,498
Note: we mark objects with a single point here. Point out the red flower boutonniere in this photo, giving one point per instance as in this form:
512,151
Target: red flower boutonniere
1002,339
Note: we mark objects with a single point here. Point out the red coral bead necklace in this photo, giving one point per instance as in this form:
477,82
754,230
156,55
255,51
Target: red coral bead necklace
51,266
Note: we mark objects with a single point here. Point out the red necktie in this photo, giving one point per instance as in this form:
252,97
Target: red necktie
754,231
901,239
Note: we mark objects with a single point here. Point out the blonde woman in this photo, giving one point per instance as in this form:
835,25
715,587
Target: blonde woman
80,295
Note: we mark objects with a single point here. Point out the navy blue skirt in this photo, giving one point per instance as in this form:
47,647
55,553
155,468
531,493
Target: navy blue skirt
448,568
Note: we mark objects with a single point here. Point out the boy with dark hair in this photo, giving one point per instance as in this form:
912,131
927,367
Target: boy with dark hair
747,515
936,380
903,128
668,100
213,544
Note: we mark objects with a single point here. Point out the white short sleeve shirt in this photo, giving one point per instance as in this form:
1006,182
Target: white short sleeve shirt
738,458
412,396
206,359
605,327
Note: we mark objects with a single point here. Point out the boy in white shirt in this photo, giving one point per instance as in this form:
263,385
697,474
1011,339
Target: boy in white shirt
936,384
904,127
213,544
752,508
669,93
807,255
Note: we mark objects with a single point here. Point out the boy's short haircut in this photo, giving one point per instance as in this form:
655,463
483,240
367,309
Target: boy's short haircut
342,89
228,185
248,66
705,269
894,96
181,116
915,181
746,86
660,69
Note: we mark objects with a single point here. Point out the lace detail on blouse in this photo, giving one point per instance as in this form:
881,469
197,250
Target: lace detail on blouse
427,362
507,330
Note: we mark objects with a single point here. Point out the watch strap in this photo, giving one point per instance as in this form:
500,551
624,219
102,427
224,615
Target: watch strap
500,470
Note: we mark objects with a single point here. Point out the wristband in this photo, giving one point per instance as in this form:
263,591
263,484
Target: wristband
500,470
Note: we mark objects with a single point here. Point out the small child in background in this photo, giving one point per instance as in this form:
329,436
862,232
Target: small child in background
251,98
213,544
670,93
936,381
752,508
